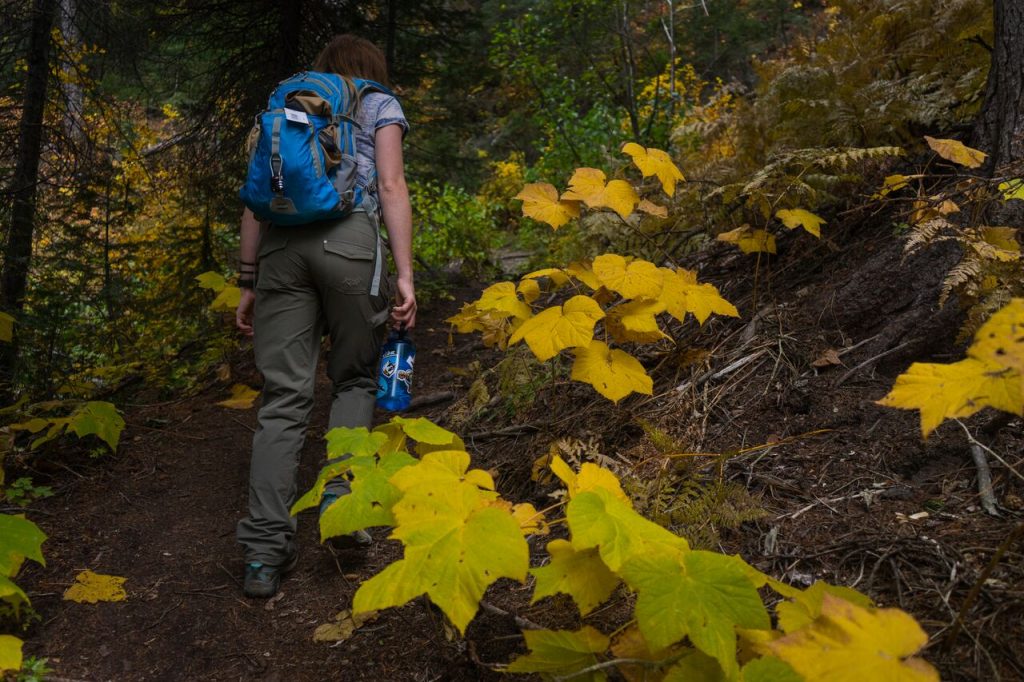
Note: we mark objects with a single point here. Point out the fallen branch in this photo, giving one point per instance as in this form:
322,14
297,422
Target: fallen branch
419,402
718,374
522,623
988,499
870,361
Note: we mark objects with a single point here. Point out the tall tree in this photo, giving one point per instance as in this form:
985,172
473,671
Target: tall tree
1000,126
18,248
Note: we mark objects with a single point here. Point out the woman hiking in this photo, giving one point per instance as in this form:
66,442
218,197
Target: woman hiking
301,281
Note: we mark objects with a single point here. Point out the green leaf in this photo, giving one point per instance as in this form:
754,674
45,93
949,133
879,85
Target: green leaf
213,281
422,430
695,666
695,594
12,594
100,419
597,518
372,497
561,652
582,575
10,653
57,427
348,441
1013,189
227,300
19,539
769,669
333,469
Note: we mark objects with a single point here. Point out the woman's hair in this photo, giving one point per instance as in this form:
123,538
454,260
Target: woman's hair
354,57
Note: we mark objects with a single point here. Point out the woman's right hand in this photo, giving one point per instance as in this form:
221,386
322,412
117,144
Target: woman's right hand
404,314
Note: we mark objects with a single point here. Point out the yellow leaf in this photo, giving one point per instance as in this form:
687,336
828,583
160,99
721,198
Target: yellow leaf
956,390
214,281
541,202
227,300
590,477
892,183
1004,238
584,272
586,185
242,397
748,240
682,294
559,327
6,327
10,653
653,161
652,209
501,297
636,321
1001,339
90,588
957,152
530,520
342,626
630,644
806,605
1013,189
798,217
635,279
613,373
580,574
848,643
557,276
529,290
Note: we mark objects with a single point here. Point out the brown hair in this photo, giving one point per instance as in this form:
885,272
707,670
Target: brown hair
354,57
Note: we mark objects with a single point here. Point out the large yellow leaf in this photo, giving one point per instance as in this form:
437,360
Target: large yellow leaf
10,653
529,289
502,297
1012,189
955,390
631,279
798,217
584,272
806,605
590,477
242,397
957,152
557,276
214,281
456,544
613,373
588,185
90,588
636,321
1001,339
580,574
562,652
653,161
541,202
559,327
847,643
748,240
682,294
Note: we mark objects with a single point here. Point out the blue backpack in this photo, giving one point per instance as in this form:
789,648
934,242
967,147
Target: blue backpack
302,150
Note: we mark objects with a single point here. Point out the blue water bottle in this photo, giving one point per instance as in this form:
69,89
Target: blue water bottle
394,378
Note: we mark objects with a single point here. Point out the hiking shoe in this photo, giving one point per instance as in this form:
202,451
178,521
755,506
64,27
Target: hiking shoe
355,540
262,581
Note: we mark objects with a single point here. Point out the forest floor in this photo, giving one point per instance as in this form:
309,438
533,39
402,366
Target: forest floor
849,491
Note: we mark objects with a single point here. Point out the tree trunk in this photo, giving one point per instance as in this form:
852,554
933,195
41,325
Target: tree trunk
73,93
18,252
289,37
999,130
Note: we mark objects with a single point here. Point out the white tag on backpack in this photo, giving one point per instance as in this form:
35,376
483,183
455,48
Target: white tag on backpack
296,116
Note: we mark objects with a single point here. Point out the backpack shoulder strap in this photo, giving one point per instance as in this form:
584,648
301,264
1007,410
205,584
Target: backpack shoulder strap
365,85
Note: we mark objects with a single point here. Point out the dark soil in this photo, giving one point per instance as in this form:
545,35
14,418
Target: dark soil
842,480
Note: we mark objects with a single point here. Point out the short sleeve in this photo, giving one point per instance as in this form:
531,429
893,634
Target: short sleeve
390,113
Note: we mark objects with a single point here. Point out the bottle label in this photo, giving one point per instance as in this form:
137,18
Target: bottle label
397,372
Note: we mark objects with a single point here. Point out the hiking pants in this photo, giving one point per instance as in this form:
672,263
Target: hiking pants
313,279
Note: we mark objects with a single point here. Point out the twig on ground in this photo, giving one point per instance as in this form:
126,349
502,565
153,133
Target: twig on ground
514,430
988,499
985,448
870,361
523,623
609,664
717,374
419,402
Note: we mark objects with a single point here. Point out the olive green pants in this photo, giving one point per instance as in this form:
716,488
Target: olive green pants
313,279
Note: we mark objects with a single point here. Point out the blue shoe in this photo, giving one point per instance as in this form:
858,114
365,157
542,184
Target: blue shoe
262,581
354,540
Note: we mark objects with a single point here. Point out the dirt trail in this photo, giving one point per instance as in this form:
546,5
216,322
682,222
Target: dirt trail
162,514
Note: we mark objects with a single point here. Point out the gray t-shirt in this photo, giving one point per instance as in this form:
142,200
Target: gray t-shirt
376,110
